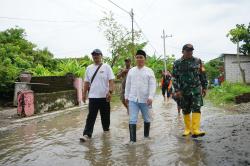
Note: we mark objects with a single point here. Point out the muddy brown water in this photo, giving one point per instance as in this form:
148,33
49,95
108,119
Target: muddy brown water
55,141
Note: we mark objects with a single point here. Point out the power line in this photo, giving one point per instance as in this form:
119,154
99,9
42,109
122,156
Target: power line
51,35
146,37
65,7
149,6
97,4
200,51
132,17
45,20
131,14
120,7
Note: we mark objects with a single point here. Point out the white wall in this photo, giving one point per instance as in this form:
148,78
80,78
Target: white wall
232,71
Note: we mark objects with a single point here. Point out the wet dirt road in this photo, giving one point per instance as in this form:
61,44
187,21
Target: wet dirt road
55,141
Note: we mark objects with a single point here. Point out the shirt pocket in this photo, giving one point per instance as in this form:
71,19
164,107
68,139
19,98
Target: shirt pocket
195,67
103,75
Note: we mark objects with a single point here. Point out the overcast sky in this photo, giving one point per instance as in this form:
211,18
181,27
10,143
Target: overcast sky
69,28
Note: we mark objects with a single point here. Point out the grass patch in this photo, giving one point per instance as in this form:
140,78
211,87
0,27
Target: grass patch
226,93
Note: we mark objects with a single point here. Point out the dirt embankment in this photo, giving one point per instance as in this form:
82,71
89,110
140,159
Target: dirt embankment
241,108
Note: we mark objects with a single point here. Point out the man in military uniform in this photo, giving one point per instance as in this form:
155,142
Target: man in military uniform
190,84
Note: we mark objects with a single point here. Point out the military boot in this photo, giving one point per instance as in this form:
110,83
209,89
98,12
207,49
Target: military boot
187,122
132,131
196,125
146,129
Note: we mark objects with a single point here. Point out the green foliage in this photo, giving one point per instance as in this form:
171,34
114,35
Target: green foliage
18,54
120,44
157,64
227,92
75,66
72,66
213,69
40,70
120,40
241,33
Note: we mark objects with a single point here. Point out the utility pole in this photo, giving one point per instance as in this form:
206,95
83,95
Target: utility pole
131,13
164,47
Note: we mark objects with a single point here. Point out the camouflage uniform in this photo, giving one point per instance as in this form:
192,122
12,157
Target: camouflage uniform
189,78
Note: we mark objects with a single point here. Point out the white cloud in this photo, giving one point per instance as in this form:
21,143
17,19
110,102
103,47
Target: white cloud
203,23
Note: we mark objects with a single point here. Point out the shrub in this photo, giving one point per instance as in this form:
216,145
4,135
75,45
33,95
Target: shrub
227,92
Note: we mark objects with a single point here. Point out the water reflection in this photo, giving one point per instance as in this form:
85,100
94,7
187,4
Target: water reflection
55,141
99,152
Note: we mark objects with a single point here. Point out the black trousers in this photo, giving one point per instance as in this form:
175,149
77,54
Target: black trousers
96,104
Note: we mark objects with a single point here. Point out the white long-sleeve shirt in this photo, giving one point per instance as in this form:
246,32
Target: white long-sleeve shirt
140,84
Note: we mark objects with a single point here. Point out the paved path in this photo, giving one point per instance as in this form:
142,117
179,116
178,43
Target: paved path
54,140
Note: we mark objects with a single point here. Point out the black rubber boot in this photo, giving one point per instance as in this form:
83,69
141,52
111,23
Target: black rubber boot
132,131
146,129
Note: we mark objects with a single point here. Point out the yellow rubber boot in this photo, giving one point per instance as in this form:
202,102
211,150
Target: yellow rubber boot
187,122
196,117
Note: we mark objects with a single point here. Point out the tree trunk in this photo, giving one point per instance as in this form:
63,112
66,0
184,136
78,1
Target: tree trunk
114,59
242,71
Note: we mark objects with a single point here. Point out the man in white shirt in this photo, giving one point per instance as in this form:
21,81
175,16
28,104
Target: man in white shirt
99,83
139,92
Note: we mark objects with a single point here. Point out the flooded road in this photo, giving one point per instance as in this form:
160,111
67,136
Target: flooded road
55,141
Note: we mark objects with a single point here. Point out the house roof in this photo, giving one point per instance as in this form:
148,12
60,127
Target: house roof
228,54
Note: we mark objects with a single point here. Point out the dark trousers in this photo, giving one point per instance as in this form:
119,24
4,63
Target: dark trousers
191,103
164,90
96,104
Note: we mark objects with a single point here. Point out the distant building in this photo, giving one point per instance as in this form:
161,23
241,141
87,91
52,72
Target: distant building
231,69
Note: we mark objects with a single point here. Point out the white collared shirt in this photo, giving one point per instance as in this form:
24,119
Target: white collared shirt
100,85
140,84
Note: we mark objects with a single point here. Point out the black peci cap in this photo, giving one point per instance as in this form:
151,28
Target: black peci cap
141,52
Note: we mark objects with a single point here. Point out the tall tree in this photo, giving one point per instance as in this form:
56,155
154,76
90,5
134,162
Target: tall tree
119,39
241,35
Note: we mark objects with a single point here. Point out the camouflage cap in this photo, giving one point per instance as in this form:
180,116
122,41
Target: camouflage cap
188,47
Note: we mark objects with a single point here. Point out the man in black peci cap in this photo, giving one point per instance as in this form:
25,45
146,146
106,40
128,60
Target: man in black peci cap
139,93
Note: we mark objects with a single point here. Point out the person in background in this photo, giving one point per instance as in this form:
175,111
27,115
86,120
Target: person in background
166,85
139,92
123,75
99,84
